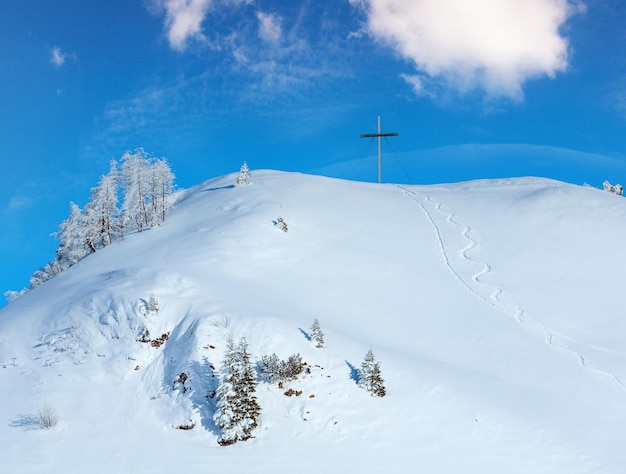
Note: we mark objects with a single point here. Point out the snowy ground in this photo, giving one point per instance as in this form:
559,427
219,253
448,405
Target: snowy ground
494,307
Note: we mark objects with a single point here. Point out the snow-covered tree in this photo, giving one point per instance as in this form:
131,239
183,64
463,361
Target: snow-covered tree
46,272
370,377
153,304
161,180
244,177
275,370
317,336
237,409
147,184
134,184
101,215
281,224
12,295
615,189
74,239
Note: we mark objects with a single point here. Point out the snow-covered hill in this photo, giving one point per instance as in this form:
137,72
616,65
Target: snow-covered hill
494,307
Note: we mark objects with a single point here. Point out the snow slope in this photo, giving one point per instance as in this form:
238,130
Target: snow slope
494,308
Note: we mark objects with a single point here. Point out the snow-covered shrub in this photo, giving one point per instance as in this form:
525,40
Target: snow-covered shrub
47,417
237,409
244,177
317,336
273,370
12,295
615,189
370,377
281,224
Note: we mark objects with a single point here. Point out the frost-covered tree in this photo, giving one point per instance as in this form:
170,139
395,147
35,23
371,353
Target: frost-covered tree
613,188
317,336
101,215
281,224
370,377
46,272
244,177
153,304
275,370
134,179
147,184
74,239
161,180
237,409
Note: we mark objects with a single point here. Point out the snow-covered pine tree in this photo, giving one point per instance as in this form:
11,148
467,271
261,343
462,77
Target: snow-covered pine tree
153,304
370,377
269,366
244,177
237,409
317,336
275,370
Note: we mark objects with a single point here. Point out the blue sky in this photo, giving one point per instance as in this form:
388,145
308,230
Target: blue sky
475,88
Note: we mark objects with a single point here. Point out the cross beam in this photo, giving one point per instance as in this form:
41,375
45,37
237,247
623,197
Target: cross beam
378,135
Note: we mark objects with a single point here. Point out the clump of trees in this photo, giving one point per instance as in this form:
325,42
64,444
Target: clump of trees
237,409
143,184
273,370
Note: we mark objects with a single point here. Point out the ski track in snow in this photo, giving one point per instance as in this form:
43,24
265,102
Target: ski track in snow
491,293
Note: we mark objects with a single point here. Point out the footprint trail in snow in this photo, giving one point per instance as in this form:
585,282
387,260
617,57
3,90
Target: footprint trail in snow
492,294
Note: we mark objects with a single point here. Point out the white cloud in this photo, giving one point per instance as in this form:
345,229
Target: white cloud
269,27
57,57
494,45
183,20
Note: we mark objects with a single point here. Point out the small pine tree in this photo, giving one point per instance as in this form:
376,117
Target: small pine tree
281,224
370,377
269,367
153,304
317,336
237,408
244,177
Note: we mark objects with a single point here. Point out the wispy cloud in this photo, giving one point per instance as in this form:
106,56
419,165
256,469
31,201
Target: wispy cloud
57,57
184,19
491,45
269,27
17,203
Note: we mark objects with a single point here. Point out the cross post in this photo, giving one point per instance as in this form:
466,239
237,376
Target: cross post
379,135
